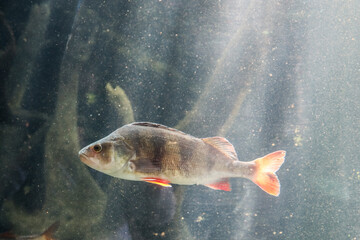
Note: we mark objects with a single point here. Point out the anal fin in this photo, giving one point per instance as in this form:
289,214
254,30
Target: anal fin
158,181
223,184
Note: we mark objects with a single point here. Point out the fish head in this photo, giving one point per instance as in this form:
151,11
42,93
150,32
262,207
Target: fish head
107,155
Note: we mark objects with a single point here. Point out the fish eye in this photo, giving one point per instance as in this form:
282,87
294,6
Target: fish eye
97,148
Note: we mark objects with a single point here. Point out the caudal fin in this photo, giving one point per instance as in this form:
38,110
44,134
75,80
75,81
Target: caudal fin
265,168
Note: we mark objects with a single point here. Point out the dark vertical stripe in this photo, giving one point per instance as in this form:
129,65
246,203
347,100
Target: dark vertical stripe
186,151
158,141
136,141
212,155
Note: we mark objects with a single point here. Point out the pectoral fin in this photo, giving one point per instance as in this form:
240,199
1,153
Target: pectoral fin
158,181
223,184
51,230
145,165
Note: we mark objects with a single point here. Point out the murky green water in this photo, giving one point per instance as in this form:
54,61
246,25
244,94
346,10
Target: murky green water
267,75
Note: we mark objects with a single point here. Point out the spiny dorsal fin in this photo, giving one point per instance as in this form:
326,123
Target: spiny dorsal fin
156,125
223,145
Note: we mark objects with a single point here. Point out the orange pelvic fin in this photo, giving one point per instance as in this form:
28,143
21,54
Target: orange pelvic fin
8,235
265,169
223,184
158,181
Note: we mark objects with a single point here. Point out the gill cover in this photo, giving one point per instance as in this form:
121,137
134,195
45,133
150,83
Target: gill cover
122,151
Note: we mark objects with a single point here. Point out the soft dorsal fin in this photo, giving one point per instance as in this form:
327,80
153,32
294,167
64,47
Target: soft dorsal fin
156,125
223,145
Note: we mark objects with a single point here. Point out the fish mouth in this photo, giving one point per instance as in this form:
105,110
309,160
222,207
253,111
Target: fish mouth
85,159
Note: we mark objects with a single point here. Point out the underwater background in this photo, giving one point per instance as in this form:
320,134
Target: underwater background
267,75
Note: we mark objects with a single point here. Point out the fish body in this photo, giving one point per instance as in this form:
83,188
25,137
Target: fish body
47,235
161,155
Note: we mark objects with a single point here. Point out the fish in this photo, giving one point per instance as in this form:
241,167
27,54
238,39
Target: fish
157,154
46,235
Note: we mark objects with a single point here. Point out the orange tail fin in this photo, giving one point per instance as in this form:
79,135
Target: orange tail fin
265,168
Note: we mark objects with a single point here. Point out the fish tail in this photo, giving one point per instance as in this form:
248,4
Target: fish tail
264,172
